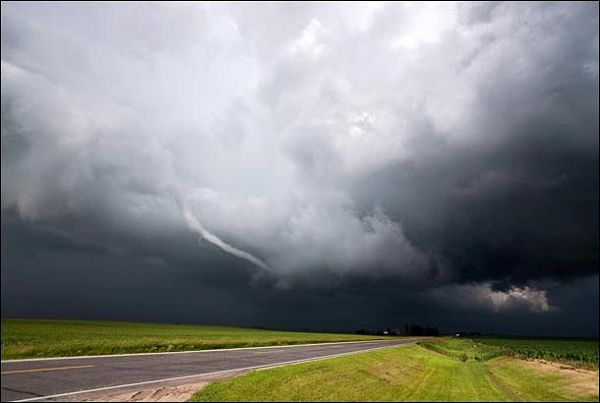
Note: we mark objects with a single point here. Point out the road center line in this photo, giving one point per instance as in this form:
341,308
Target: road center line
21,371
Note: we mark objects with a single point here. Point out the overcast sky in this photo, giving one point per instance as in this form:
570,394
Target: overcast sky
303,165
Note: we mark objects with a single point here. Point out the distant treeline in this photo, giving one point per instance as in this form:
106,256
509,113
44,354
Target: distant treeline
412,330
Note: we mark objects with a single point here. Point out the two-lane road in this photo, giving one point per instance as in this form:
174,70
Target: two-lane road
68,378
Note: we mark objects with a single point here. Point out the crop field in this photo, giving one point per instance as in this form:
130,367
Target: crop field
581,353
60,338
444,369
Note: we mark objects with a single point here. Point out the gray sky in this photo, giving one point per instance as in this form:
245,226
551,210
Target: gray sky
302,165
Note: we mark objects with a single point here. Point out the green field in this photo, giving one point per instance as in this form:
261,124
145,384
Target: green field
438,370
463,349
580,353
54,338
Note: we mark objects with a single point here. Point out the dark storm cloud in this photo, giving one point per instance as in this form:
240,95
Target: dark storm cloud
519,211
42,280
384,161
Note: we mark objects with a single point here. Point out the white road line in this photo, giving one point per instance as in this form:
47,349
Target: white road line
190,351
258,367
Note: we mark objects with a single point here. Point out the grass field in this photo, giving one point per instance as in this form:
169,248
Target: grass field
440,370
50,338
463,349
580,353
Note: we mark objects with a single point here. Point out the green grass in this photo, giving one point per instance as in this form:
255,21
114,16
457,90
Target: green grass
463,349
580,353
407,373
58,338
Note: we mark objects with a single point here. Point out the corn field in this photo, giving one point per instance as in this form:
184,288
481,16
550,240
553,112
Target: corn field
575,351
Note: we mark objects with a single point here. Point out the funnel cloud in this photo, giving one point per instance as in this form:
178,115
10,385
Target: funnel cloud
194,224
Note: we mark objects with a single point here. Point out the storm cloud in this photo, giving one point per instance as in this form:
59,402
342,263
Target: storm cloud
375,163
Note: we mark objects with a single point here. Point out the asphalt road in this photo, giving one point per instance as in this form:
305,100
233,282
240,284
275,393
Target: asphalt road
72,378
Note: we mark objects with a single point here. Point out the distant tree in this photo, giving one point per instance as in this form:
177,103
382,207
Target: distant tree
431,331
416,330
